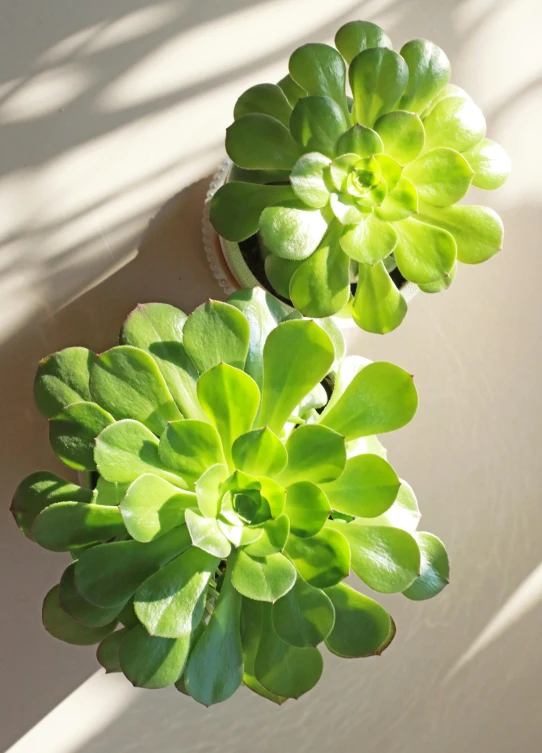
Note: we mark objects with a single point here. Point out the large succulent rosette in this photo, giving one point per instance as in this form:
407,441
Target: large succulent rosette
239,482
344,190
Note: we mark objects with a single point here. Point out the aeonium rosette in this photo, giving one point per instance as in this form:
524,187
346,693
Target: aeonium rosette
239,481
343,191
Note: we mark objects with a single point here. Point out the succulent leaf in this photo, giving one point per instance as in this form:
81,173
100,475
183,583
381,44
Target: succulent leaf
378,305
38,491
65,525
171,602
59,624
321,285
387,559
477,231
320,70
362,627
72,433
153,506
215,666
304,616
317,124
157,328
292,230
284,670
63,379
356,36
152,662
323,559
378,77
266,99
78,608
380,398
261,142
434,569
367,487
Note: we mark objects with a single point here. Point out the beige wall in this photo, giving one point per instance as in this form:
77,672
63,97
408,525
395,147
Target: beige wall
112,111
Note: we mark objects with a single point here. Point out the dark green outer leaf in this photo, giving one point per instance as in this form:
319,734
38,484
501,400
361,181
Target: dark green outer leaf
109,574
152,662
356,36
285,670
304,616
260,142
215,667
293,91
157,328
72,433
108,651
60,625
320,70
378,78
80,610
63,379
362,627
267,99
251,628
236,207
65,525
317,123
38,491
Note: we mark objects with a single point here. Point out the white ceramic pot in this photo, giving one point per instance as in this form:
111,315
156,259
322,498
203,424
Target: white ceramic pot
227,262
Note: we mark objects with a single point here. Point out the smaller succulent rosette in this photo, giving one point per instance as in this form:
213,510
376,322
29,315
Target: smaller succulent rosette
239,482
346,191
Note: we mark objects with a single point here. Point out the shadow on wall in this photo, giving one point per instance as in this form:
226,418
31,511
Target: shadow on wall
138,90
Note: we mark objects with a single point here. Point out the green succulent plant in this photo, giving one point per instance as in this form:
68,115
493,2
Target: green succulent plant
343,190
235,493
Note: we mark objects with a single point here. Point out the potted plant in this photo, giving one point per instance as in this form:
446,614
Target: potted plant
238,481
336,202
